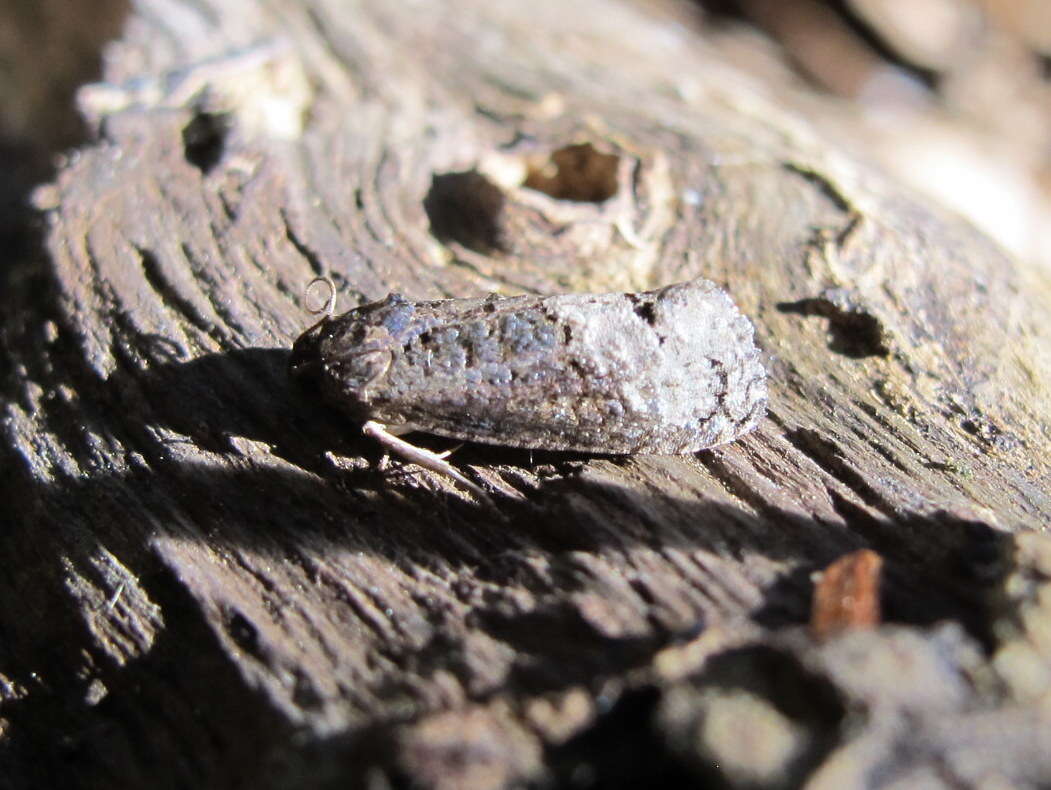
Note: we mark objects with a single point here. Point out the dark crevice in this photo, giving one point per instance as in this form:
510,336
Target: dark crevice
243,633
211,287
823,185
853,332
828,456
574,651
204,140
826,544
229,207
169,294
311,257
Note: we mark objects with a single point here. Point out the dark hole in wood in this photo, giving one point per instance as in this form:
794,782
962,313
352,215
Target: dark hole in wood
576,172
204,140
243,632
465,208
853,332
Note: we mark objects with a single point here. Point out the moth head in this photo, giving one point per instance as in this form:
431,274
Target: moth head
343,356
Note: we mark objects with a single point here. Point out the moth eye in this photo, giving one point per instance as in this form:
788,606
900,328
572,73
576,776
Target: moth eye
357,334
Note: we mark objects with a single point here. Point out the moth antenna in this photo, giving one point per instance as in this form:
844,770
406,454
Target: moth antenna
329,309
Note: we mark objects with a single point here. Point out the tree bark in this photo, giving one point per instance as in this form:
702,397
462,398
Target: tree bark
211,574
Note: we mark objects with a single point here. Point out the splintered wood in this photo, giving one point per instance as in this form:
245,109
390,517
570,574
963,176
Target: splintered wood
846,595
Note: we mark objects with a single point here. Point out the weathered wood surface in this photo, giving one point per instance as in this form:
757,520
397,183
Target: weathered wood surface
208,580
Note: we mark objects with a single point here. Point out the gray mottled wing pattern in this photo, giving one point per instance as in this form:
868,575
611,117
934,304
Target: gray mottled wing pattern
667,371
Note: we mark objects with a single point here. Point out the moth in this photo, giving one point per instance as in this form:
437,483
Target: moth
669,371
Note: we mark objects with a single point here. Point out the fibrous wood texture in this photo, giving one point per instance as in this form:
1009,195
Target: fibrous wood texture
210,574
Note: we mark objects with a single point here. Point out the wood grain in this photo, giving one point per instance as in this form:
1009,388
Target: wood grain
209,573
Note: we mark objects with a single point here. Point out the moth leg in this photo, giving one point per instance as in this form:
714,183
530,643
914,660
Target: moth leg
398,430
418,455
384,462
450,451
390,430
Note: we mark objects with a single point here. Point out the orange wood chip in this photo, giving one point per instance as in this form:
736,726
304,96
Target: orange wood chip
847,594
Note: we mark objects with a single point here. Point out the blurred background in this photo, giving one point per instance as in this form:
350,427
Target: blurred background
952,97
